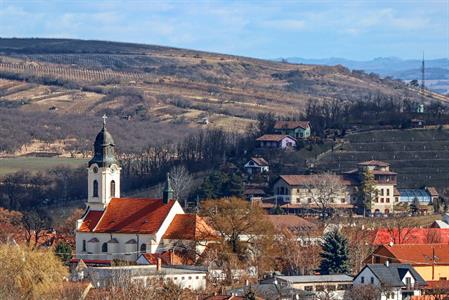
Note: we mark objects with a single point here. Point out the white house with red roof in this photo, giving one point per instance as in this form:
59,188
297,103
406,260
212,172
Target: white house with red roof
124,228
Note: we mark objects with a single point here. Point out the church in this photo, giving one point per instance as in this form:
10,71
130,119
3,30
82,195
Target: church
127,228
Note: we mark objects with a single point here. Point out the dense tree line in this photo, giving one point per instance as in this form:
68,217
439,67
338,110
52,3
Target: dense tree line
374,110
198,152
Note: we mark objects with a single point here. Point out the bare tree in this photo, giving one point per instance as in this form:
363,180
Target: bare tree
325,189
181,182
35,225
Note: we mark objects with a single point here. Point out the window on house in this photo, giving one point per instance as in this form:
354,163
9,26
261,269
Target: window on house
308,288
143,248
381,200
104,247
377,259
343,200
309,200
372,280
84,245
381,192
443,278
397,199
362,279
197,277
408,281
387,200
388,192
319,288
112,188
95,189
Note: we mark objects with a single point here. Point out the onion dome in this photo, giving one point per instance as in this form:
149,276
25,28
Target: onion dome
104,148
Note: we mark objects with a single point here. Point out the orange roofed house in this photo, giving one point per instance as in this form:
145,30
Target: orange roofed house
123,228
431,261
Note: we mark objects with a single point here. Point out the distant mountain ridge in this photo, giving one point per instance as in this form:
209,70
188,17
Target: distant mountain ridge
405,69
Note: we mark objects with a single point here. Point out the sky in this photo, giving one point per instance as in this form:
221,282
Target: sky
354,29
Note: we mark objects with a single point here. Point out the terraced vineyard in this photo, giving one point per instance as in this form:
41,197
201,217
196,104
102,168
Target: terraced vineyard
419,156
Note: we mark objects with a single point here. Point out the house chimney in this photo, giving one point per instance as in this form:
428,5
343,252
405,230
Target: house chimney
159,264
391,244
387,263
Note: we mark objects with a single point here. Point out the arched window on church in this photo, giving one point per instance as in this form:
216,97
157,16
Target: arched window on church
104,247
143,248
95,188
112,188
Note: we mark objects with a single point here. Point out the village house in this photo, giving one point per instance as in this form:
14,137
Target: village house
256,165
431,261
276,141
336,285
296,129
296,190
385,184
185,277
124,228
394,281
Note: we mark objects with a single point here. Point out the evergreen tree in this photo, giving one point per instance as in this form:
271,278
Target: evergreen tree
64,251
334,254
414,206
367,190
206,190
234,186
277,210
218,180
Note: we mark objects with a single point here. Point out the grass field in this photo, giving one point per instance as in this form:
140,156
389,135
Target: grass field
36,164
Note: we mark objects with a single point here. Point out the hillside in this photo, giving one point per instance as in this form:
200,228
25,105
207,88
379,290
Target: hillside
419,156
436,70
154,94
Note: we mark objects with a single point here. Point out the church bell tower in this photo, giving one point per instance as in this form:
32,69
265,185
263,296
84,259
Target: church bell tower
103,171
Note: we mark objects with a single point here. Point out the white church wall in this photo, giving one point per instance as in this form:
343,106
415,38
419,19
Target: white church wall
176,209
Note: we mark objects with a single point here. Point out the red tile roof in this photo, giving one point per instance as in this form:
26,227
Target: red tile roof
168,258
291,124
418,254
291,222
259,161
432,191
188,227
306,179
384,236
90,221
274,137
437,284
131,215
374,163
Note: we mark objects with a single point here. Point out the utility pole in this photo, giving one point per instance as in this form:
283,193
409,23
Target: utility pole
423,85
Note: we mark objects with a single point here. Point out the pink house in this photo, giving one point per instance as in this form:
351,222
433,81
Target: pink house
280,141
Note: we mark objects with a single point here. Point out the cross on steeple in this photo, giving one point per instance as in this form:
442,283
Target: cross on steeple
104,119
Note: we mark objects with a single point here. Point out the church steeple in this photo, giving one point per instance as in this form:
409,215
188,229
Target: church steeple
168,191
104,148
103,171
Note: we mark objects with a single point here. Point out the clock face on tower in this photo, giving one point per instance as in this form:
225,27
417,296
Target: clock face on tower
95,170
112,170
